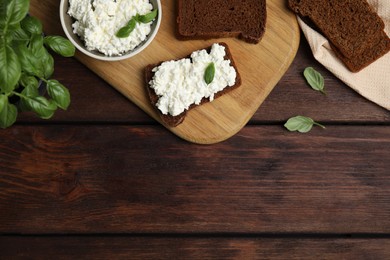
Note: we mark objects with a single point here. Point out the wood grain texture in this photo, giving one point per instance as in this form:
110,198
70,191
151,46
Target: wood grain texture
104,180
261,66
191,248
125,179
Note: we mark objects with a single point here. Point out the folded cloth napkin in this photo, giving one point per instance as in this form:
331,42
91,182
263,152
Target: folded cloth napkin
373,82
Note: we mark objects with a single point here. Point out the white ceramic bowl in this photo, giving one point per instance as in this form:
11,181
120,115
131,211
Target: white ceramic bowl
67,20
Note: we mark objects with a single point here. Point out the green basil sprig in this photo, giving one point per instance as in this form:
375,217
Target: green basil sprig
301,124
209,73
126,30
25,61
314,79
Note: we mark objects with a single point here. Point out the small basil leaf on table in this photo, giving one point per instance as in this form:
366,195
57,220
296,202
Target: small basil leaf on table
301,124
315,79
60,45
126,30
147,18
209,73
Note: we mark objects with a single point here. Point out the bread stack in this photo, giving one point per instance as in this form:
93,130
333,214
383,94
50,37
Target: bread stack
354,30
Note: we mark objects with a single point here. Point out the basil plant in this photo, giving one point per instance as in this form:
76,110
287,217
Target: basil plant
26,64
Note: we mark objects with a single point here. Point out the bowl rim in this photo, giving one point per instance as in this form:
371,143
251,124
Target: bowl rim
103,57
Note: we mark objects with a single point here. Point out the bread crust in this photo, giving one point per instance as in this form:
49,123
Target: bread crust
173,121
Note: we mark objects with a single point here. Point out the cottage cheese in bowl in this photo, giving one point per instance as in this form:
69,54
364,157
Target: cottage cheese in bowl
96,23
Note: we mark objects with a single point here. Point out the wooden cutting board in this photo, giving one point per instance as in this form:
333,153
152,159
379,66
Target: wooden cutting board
261,66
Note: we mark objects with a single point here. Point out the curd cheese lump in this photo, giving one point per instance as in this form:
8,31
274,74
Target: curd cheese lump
179,84
98,22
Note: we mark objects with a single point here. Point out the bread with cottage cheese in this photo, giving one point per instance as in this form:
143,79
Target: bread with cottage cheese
173,121
206,19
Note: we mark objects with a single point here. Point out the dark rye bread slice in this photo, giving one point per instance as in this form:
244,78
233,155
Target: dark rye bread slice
173,121
368,56
351,25
206,19
356,33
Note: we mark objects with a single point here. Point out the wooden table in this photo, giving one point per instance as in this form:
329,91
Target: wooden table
105,181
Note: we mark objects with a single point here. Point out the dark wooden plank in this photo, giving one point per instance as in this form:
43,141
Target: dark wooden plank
93,100
115,179
191,248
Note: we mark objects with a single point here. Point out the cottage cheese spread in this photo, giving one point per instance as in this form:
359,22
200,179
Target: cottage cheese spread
179,84
98,22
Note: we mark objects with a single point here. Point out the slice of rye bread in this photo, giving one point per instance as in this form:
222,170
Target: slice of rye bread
352,26
368,56
173,121
206,19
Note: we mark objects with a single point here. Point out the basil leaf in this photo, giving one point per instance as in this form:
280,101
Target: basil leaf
147,18
35,59
8,115
32,25
10,68
315,79
60,45
43,107
16,11
36,45
26,80
58,93
3,16
126,30
19,35
28,61
3,101
29,91
209,73
47,64
301,124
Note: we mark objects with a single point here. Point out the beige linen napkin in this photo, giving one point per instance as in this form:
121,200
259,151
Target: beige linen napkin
373,82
